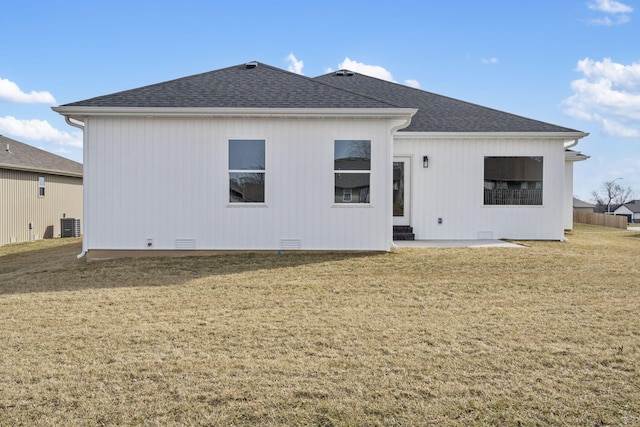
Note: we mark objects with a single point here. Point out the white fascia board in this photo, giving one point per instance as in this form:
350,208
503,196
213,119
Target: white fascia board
567,137
79,112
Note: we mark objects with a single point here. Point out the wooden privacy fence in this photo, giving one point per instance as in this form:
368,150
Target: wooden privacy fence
614,221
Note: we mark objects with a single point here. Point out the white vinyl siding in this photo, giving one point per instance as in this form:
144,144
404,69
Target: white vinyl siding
451,188
167,179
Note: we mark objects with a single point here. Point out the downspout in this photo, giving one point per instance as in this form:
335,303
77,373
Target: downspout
74,124
81,127
570,144
396,127
573,142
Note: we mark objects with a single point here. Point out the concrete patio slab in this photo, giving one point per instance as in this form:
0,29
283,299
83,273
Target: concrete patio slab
456,244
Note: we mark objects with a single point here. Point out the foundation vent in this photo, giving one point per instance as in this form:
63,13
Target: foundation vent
290,244
185,243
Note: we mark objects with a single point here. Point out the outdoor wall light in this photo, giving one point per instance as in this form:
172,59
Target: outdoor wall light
425,161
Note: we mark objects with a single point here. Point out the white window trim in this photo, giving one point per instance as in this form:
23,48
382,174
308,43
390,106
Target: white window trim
368,171
264,171
42,186
540,206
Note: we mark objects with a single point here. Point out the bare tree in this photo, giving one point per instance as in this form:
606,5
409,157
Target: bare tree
611,193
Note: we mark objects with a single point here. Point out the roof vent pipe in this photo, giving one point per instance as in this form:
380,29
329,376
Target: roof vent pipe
8,150
250,65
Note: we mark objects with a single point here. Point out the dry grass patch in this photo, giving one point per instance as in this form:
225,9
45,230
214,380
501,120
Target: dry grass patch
545,335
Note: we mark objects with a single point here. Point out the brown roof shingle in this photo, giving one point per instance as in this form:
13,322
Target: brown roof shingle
20,156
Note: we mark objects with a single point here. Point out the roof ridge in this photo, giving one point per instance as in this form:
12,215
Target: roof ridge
269,87
473,104
313,79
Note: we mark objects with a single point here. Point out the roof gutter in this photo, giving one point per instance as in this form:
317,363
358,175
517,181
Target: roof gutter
575,156
80,112
570,138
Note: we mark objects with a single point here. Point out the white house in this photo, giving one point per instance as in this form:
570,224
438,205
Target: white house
252,157
631,210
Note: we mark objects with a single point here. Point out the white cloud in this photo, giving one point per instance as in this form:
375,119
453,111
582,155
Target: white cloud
369,70
619,12
9,91
492,60
608,93
412,83
295,66
610,6
39,130
376,71
614,128
608,22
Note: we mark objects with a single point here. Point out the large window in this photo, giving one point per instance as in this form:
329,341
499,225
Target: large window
246,170
352,171
513,180
41,186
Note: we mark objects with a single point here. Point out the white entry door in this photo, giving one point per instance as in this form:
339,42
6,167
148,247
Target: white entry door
401,190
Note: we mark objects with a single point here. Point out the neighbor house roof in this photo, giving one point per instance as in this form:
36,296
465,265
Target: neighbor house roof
437,113
633,206
577,203
251,85
19,156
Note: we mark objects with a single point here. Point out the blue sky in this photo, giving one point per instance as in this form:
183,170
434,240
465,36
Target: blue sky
575,63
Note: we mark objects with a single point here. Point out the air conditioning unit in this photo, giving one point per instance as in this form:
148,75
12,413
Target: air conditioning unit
70,227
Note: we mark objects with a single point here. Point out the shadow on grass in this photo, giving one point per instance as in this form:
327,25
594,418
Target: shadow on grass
54,269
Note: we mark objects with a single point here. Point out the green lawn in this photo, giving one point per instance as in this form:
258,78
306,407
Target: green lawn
543,335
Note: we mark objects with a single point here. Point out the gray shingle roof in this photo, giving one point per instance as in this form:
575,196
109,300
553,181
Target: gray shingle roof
25,157
437,113
633,206
577,203
264,86
239,86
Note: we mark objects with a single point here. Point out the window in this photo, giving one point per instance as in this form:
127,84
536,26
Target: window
352,171
513,180
41,186
246,170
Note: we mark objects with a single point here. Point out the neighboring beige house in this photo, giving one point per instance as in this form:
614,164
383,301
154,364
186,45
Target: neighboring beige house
37,189
582,206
